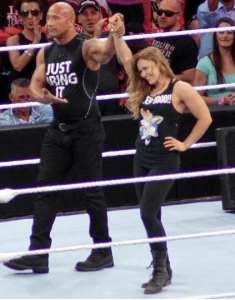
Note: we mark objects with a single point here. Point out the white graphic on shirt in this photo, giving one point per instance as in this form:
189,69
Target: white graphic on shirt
149,126
166,48
159,99
13,18
59,75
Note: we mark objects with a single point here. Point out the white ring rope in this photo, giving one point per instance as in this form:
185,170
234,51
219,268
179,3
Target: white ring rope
7,256
119,96
6,195
36,161
132,37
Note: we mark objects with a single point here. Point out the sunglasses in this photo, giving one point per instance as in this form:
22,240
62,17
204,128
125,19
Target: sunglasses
167,13
34,12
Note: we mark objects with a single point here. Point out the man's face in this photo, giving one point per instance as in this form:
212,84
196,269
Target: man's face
88,18
30,14
57,22
20,95
167,23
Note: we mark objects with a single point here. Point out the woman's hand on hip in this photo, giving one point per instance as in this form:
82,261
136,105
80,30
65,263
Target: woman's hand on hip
173,144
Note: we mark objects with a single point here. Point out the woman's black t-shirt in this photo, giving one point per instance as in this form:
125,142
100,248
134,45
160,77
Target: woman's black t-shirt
158,119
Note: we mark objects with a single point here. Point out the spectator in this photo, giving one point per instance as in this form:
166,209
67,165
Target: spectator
180,51
219,66
150,24
194,24
132,10
208,13
24,61
20,92
90,17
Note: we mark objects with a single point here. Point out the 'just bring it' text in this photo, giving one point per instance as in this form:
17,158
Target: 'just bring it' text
59,75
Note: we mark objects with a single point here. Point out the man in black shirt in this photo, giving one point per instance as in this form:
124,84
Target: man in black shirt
90,17
70,66
181,51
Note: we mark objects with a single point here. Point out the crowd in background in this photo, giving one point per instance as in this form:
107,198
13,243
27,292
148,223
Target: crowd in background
197,59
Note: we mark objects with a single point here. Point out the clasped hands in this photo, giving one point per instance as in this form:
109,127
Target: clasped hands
116,25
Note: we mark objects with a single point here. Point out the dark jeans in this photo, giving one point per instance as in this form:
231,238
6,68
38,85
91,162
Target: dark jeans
151,196
81,149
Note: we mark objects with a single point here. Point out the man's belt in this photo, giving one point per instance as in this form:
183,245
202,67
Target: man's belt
68,126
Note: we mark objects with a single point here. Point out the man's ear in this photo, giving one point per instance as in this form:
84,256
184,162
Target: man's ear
72,21
11,97
179,16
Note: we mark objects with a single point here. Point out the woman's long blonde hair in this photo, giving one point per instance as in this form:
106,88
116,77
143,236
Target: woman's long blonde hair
137,87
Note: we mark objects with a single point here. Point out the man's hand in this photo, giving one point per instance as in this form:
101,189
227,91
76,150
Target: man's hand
48,98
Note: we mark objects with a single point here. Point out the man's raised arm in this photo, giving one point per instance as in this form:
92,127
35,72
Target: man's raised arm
96,52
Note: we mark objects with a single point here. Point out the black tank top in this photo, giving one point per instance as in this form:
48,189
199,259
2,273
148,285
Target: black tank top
68,77
158,119
28,70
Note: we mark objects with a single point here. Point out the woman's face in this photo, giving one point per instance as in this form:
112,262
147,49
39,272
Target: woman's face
225,38
30,14
148,70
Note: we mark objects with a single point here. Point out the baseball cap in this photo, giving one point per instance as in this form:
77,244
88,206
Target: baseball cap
85,3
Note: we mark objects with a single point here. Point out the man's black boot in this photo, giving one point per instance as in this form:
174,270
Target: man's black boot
36,263
98,259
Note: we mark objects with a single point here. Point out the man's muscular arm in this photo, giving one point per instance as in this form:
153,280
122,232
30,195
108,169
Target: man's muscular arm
39,93
97,52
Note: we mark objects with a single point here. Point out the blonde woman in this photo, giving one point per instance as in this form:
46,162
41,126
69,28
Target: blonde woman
158,99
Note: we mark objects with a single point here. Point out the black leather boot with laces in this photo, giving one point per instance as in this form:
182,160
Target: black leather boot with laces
169,271
97,260
160,277
36,263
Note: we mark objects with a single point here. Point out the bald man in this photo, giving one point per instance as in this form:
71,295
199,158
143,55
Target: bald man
70,66
181,51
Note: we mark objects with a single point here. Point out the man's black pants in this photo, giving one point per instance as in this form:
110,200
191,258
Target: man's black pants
81,149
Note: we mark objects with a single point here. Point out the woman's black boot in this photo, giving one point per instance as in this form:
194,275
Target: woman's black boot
169,271
160,277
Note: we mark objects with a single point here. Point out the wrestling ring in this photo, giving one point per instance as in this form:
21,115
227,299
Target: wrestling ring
202,268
